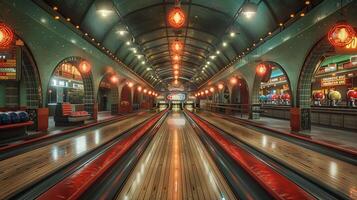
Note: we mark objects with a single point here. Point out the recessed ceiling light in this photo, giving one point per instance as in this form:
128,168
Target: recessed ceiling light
232,34
128,43
218,52
224,44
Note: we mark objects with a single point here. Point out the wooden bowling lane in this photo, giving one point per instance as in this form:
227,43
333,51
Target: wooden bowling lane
337,174
20,171
176,165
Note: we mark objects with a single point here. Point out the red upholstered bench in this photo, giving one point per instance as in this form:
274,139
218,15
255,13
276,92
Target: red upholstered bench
66,116
15,130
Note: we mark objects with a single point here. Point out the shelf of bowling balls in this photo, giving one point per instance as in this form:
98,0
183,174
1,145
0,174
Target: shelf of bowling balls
13,124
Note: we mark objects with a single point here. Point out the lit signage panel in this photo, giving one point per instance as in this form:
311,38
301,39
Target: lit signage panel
176,97
333,81
8,69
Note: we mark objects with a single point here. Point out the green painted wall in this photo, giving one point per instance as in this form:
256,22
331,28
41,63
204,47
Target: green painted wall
50,41
290,47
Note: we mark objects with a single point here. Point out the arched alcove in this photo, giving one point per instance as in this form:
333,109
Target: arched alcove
136,100
69,84
125,99
108,94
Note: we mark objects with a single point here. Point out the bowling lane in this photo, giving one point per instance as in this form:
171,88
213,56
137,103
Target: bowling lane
337,174
176,166
20,171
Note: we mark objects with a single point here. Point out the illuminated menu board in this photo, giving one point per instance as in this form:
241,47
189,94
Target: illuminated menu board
8,69
333,81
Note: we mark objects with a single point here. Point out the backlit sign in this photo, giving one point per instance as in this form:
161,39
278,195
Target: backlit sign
176,97
8,69
333,81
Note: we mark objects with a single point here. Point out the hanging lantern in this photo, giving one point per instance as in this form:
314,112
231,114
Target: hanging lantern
139,88
176,66
84,67
261,69
176,72
6,36
176,17
114,79
130,84
145,91
233,80
220,86
177,46
211,89
341,34
176,57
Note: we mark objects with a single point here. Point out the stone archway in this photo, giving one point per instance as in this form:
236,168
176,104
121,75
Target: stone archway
303,98
87,78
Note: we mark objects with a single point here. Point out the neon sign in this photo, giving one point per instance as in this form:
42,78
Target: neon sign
353,44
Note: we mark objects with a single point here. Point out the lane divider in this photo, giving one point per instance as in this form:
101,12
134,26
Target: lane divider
305,138
274,183
66,131
73,186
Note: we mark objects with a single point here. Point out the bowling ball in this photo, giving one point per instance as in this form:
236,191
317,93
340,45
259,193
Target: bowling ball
262,98
334,95
14,117
287,96
24,116
275,96
270,97
351,94
5,118
318,95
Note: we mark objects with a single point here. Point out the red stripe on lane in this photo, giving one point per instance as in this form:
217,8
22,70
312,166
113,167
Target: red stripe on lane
29,141
276,184
73,186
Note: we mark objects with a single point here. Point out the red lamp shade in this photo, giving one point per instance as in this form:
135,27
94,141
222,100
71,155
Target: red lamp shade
176,17
261,69
177,46
6,36
84,67
341,34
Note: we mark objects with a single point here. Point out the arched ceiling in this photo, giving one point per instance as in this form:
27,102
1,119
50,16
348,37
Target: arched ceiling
208,25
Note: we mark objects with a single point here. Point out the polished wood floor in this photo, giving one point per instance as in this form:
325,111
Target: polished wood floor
176,165
20,171
338,174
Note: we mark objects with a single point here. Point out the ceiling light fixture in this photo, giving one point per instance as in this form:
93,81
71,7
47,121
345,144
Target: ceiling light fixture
249,9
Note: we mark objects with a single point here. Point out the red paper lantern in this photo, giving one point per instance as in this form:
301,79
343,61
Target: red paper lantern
233,80
261,69
84,67
177,46
114,79
6,36
341,34
176,17
220,86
